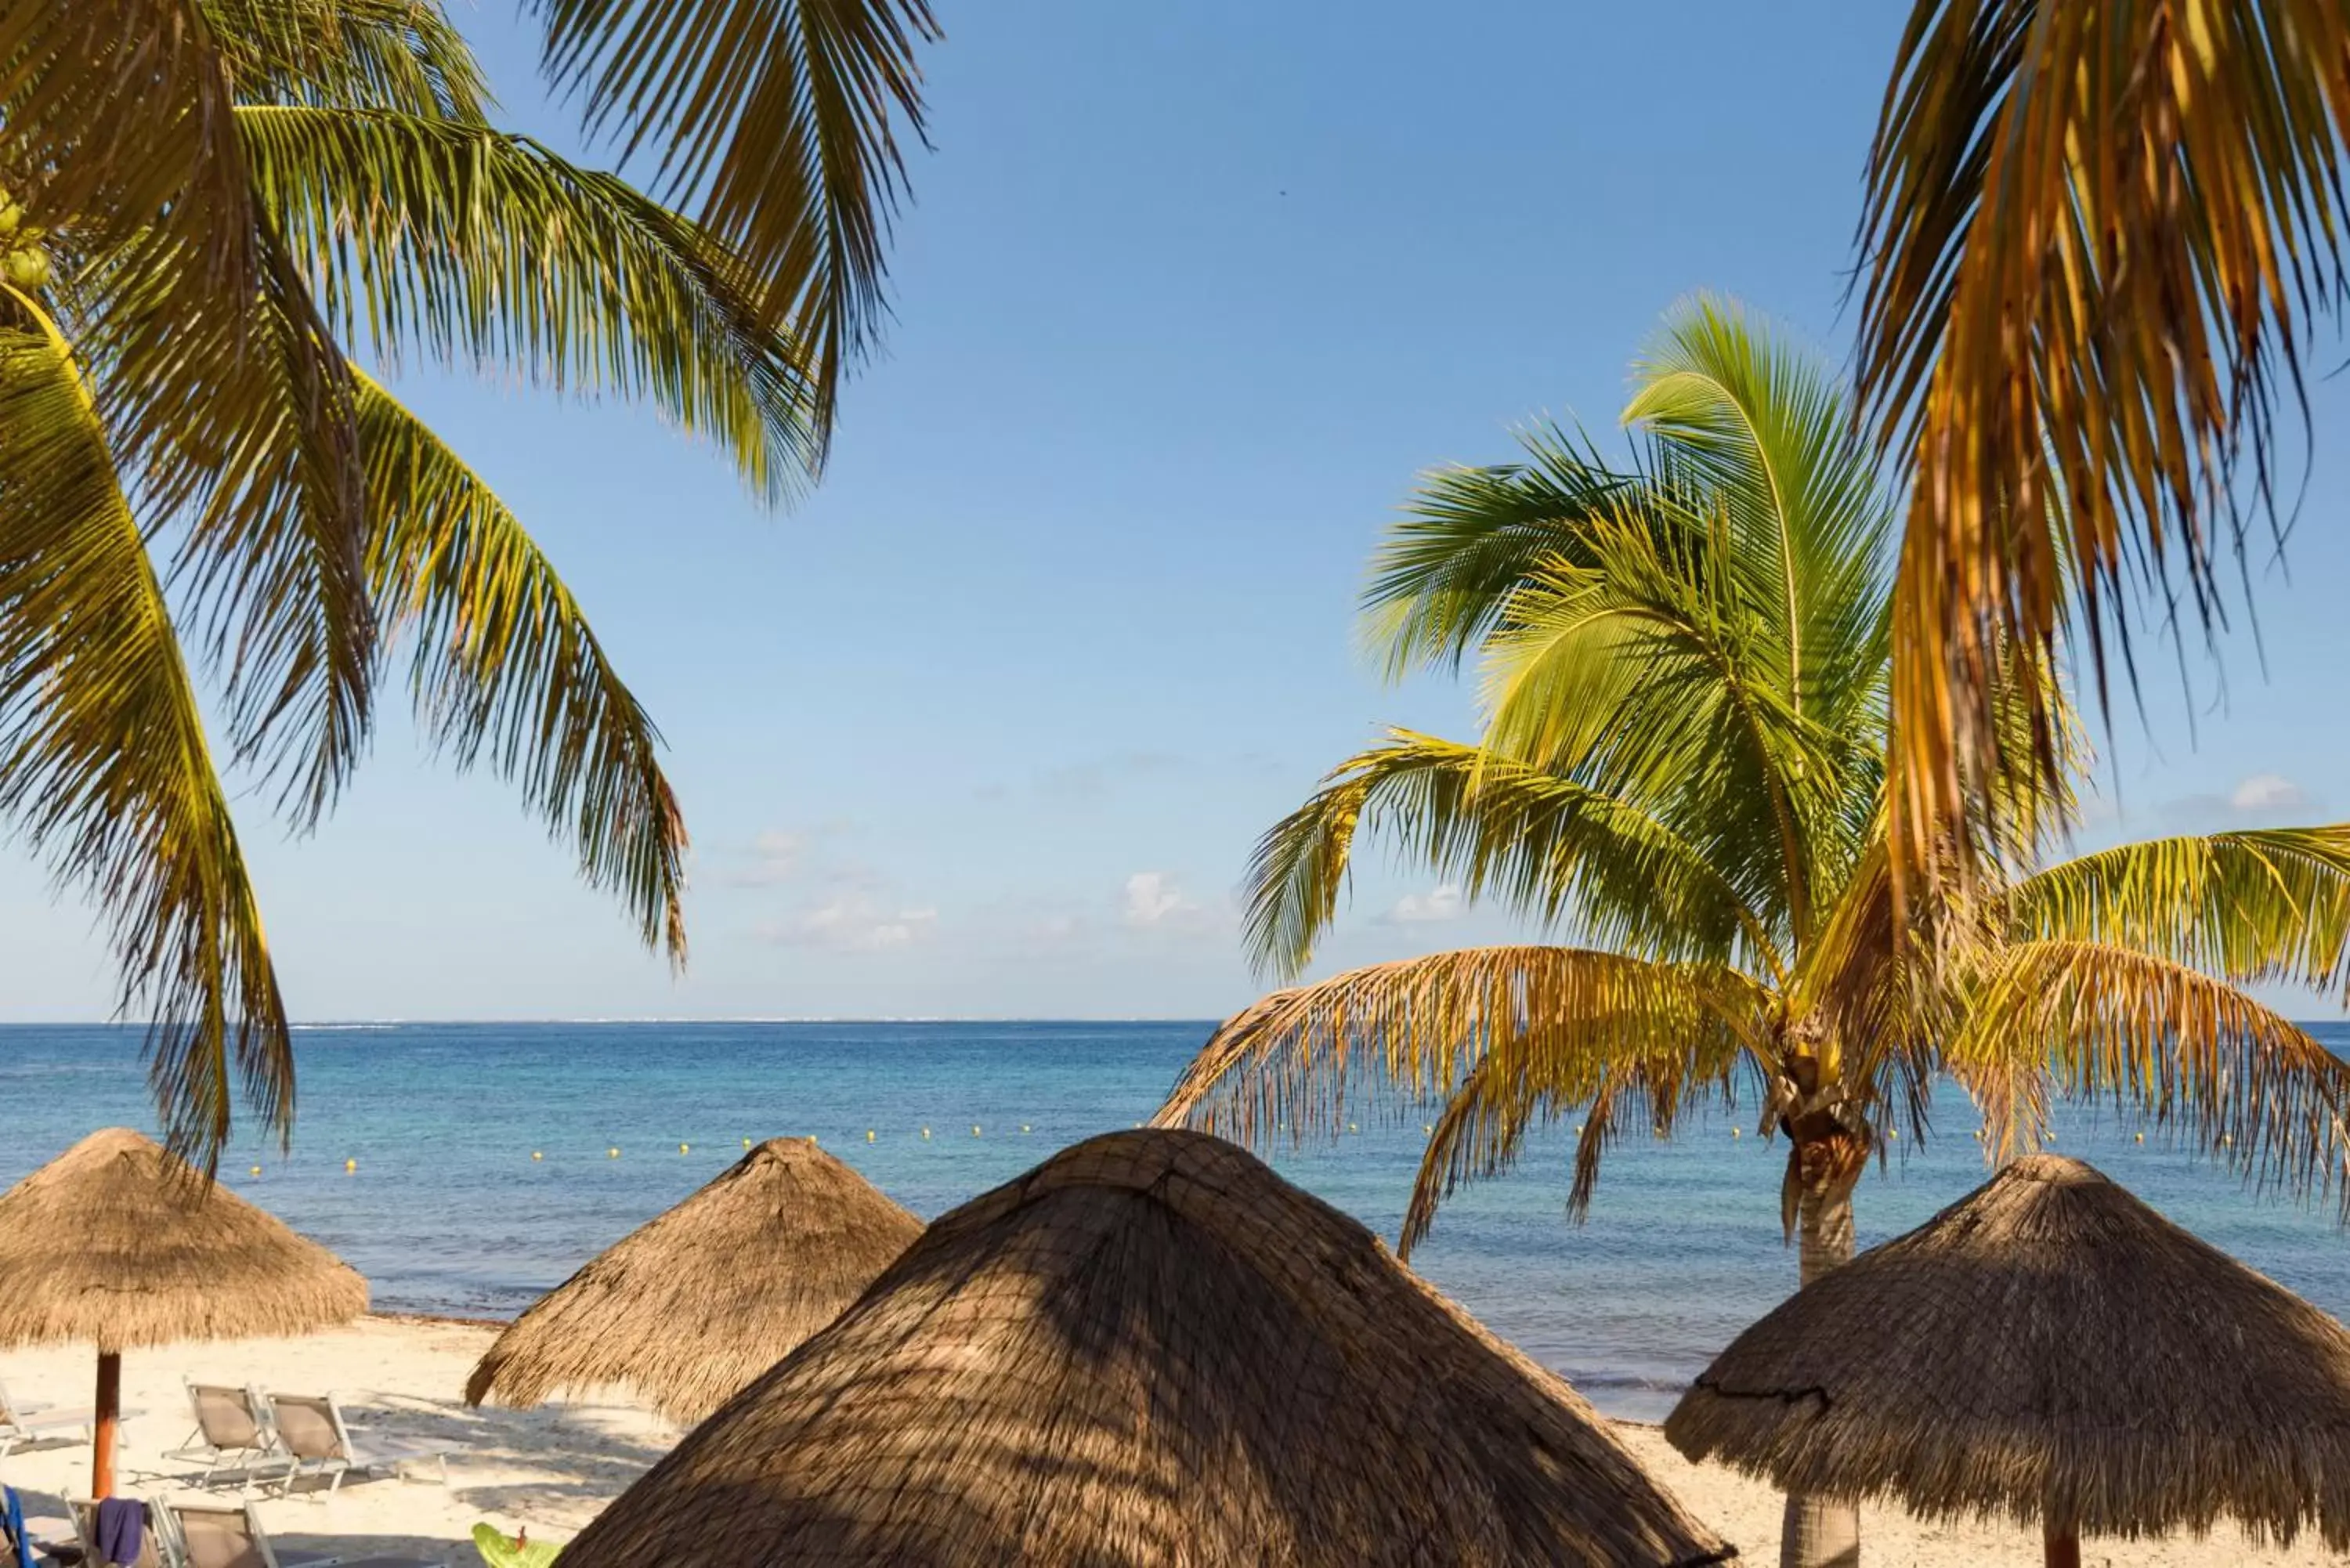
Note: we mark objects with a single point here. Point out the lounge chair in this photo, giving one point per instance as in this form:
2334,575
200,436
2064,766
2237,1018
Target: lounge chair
30,1423
312,1429
154,1547
229,1535
232,1433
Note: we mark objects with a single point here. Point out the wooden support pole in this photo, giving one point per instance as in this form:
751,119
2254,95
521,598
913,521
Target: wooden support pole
2061,1547
108,1408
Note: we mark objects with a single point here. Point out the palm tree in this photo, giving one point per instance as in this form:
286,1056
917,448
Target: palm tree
1684,666
180,488
2095,240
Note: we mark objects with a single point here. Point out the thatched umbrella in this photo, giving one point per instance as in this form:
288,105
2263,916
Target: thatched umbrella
700,1298
118,1242
2049,1348
1150,1349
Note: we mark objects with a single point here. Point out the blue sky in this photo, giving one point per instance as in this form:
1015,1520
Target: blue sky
986,726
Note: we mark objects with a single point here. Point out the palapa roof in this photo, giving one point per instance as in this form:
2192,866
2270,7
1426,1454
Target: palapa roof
118,1243
2052,1349
703,1297
1149,1349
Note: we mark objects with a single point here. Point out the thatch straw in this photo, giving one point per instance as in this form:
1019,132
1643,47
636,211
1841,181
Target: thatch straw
700,1298
117,1243
1150,1349
2050,1349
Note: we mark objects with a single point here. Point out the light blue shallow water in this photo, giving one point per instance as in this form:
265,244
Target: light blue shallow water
449,1213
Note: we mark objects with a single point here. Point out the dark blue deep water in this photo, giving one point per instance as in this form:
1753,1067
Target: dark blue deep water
447,1213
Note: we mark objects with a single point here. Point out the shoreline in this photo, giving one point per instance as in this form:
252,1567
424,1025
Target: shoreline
553,1468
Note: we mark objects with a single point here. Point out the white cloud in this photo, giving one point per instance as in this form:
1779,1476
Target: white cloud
2268,791
854,923
1427,908
1152,899
775,858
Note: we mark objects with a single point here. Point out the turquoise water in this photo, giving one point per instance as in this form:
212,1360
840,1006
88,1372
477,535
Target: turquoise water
447,1213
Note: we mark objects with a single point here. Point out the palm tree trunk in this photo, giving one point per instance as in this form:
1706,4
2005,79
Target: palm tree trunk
1817,1532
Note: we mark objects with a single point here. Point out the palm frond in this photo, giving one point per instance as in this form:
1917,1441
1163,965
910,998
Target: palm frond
2183,1051
1537,843
104,766
264,486
1756,422
1410,1031
1623,1054
1444,572
783,116
224,400
399,55
472,245
1644,676
2254,907
508,672
2094,240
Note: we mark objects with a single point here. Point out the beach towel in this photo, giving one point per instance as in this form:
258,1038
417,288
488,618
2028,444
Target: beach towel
12,1517
121,1522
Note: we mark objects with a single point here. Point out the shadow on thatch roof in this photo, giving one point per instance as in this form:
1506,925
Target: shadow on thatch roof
703,1297
1149,1349
117,1243
2051,1349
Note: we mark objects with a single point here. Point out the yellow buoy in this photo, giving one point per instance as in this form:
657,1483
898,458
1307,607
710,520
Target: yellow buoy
611,1154
869,1135
1023,1127
1892,1132
685,1148
926,1132
1352,1127
256,1170
747,1143
350,1165
2141,1137
2227,1140
1733,1132
538,1154
974,1129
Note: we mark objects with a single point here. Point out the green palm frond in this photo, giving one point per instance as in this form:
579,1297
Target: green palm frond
1641,676
267,486
1443,575
1756,424
507,671
2094,240
1410,1031
103,762
782,116
225,401
400,54
1537,843
467,244
1624,1048
2165,1043
2254,907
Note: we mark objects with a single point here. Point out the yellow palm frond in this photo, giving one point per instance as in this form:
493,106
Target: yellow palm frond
782,116
2268,905
2094,239
103,760
1412,1031
1538,843
508,672
2165,1043
1681,1039
463,243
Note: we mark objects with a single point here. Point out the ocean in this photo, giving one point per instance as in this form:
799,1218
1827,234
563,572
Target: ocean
447,1212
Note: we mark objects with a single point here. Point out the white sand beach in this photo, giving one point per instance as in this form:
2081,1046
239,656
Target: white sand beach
553,1468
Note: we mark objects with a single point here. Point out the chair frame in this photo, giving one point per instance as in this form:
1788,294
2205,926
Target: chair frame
247,1461
30,1423
335,1467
